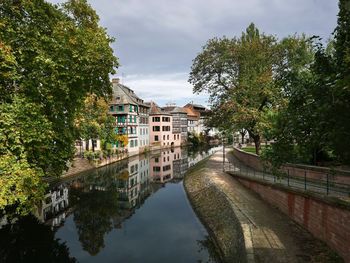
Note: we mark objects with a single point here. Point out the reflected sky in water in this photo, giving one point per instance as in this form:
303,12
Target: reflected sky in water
135,210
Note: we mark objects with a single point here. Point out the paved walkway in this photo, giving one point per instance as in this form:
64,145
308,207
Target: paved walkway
269,235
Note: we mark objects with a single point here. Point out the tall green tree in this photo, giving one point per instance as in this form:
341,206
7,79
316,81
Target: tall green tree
314,127
341,101
51,58
238,74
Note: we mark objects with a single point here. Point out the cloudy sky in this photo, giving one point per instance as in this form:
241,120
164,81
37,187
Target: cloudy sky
156,40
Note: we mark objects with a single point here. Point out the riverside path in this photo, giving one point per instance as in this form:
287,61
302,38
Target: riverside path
269,235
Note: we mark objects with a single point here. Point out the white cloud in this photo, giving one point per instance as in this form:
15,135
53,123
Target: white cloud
155,39
164,88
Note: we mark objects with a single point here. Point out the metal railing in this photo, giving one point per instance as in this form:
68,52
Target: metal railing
323,186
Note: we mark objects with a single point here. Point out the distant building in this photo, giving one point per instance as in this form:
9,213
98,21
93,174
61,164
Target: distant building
192,120
197,115
161,132
179,123
131,114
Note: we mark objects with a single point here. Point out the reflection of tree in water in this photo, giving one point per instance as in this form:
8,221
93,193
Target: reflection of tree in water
209,245
28,240
93,216
95,201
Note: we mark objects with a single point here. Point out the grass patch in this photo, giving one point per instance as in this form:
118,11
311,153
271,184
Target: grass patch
251,149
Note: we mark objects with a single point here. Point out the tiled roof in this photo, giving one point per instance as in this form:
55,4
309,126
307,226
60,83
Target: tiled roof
201,107
191,114
179,110
126,95
156,110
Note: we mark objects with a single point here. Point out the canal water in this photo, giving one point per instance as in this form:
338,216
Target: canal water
134,210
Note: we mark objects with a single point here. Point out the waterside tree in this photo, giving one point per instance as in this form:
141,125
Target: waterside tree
52,57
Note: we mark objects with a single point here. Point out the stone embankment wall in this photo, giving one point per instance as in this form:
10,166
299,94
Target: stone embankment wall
327,219
216,213
298,170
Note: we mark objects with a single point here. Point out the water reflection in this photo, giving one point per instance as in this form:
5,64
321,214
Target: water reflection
28,240
101,201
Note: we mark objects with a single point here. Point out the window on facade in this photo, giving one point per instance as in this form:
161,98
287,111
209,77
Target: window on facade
156,128
174,137
166,119
135,119
156,160
132,143
121,108
163,137
156,169
168,137
135,143
178,136
117,98
156,138
165,128
156,119
111,108
166,168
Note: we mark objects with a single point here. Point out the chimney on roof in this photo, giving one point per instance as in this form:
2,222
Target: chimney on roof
116,81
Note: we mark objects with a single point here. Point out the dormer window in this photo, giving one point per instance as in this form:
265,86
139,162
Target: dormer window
117,98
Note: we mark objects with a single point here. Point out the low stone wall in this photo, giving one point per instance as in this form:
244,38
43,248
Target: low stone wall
298,170
216,213
249,159
326,219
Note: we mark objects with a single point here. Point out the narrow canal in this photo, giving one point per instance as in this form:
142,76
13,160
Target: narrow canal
135,210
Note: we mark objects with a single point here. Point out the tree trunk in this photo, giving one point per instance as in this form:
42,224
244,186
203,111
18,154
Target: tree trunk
257,144
87,145
242,135
93,145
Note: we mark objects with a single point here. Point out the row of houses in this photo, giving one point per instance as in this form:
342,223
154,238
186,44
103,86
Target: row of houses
148,126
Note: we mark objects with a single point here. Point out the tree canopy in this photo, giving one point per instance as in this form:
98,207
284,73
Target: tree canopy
51,58
242,77
314,128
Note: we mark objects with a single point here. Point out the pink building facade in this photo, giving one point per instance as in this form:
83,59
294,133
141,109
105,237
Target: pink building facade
161,129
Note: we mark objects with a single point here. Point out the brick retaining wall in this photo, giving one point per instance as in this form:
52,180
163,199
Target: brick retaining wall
326,219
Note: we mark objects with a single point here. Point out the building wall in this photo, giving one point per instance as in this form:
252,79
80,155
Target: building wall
143,128
161,130
127,123
192,126
180,128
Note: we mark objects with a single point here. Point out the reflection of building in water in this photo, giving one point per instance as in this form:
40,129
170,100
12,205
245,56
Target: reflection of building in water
161,166
144,178
53,208
195,158
180,164
133,183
